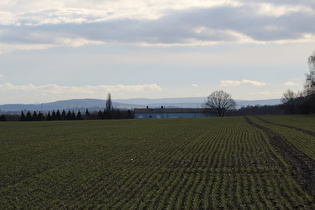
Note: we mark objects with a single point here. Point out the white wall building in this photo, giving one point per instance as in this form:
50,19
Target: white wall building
170,113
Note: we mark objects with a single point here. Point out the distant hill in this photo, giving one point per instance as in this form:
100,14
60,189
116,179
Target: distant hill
191,102
73,104
98,104
241,103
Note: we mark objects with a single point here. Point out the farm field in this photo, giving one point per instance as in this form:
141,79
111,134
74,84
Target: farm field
201,163
303,141
299,121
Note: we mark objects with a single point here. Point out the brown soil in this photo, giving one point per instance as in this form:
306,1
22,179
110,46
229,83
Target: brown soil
302,167
287,126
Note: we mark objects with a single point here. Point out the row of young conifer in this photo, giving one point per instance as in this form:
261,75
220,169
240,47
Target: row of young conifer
71,115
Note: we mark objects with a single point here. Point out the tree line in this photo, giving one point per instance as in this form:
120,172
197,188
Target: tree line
302,102
108,113
71,115
220,103
50,116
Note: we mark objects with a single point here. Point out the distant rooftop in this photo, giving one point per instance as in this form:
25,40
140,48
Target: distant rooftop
171,110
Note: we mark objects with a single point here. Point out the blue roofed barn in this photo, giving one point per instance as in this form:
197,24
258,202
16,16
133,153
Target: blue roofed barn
171,113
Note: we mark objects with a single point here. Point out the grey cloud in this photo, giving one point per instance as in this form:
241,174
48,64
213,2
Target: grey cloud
177,27
55,16
246,21
283,2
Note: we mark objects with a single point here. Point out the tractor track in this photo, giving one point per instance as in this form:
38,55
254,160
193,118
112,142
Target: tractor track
287,126
301,166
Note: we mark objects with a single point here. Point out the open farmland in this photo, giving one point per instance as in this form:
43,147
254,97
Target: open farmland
296,130
172,163
305,122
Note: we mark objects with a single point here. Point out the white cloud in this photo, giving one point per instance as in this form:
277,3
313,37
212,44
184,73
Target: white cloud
194,85
1,75
7,18
77,42
264,93
227,83
84,11
289,83
122,8
53,42
8,48
63,16
154,23
280,10
54,88
251,82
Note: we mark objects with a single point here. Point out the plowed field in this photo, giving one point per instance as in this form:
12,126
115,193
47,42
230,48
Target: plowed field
231,163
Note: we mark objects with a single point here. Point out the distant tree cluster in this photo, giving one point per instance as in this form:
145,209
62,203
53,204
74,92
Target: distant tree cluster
302,102
71,115
221,103
3,118
257,110
31,117
115,114
50,116
111,113
108,113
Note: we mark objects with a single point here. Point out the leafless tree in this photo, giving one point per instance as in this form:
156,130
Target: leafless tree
220,102
310,78
289,100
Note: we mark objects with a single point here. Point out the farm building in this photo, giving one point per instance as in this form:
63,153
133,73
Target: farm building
171,113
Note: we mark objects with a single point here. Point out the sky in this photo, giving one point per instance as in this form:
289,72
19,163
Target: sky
75,49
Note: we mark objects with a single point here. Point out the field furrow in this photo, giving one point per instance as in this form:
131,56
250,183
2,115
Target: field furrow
301,165
303,140
205,163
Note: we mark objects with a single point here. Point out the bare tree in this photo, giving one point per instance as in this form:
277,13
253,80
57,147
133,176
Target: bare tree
220,102
289,100
310,78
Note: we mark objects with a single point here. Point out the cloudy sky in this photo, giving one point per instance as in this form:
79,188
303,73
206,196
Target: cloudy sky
56,50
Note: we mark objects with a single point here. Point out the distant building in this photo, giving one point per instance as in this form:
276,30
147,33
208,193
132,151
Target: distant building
170,113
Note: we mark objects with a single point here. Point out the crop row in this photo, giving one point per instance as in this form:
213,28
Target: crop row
298,121
302,141
154,164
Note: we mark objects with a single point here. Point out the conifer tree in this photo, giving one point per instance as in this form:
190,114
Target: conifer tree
68,116
58,115
22,117
49,118
34,117
87,114
79,116
40,116
72,115
28,116
100,115
53,115
63,115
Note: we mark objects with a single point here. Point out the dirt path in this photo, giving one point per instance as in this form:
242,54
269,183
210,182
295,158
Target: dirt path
287,126
302,167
